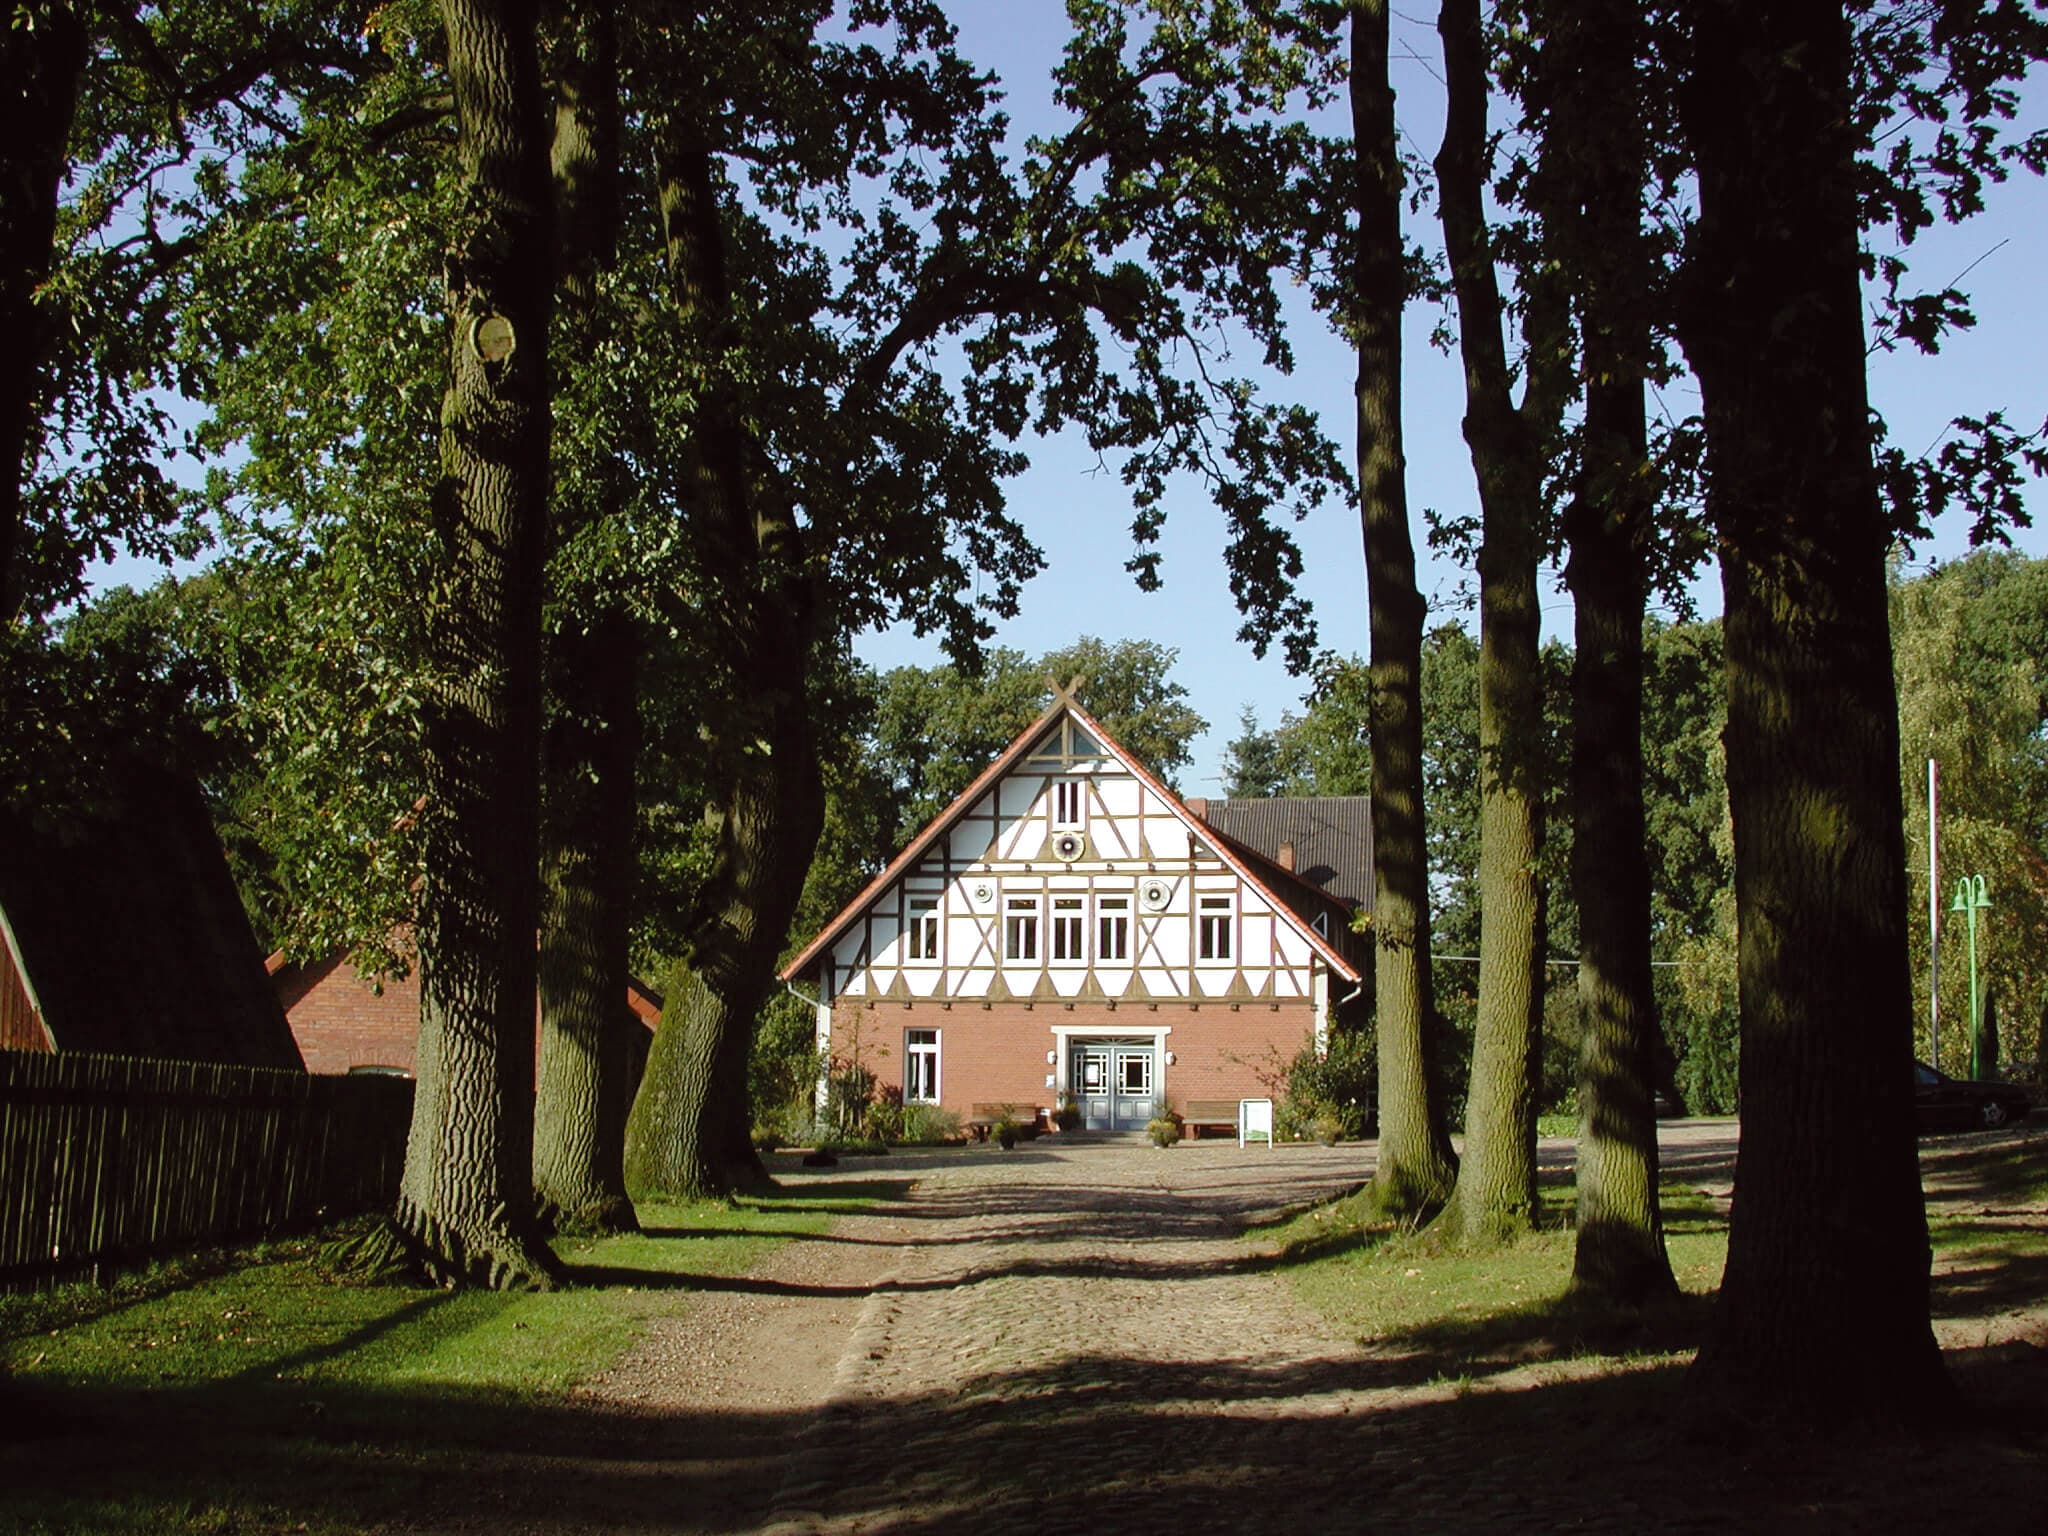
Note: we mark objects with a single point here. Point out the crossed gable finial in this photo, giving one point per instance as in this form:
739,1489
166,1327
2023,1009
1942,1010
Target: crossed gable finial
1071,693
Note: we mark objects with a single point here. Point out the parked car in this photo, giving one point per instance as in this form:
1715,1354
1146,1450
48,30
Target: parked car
1944,1103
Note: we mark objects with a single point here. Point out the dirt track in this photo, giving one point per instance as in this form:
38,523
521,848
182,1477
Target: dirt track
1076,1338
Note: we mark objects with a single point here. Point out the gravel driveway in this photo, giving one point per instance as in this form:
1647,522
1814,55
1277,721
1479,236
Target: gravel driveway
1075,1337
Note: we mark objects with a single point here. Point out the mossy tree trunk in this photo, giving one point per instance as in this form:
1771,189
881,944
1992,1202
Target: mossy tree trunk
1592,207
691,1129
41,65
465,1205
1415,1166
586,883
592,739
1619,1254
1823,1310
1496,1188
691,1132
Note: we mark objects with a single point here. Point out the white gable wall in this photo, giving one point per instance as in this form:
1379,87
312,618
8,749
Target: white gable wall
1009,907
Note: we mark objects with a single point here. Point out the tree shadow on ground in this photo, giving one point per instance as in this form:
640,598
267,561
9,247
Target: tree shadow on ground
833,1197
1049,1266
1988,1167
1988,1274
1095,1442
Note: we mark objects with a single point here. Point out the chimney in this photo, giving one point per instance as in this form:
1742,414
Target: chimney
1197,808
1287,857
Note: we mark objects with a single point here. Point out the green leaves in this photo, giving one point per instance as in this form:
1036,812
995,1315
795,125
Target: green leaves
936,728
1973,694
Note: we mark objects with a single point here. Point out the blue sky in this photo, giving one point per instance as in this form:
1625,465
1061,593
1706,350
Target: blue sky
1076,510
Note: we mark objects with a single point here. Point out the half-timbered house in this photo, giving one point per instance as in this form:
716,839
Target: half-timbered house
1068,928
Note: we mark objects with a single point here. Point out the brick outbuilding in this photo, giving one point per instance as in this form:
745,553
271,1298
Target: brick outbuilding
121,931
344,1022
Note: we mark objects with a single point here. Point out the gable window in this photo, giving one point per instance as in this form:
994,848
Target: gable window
1215,926
1020,928
923,940
1068,928
920,1066
1112,928
1067,802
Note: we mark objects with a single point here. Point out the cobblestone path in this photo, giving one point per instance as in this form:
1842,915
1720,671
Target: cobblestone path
1080,1340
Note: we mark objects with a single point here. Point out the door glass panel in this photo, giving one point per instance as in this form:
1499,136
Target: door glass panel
1134,1073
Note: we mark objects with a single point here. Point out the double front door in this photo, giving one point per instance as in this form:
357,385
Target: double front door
1113,1083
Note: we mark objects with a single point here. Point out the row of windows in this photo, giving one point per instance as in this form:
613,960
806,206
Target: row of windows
1067,928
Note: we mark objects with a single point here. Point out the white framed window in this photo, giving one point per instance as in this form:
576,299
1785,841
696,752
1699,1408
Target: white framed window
1069,930
1322,924
1020,928
1068,802
920,1066
922,940
1215,919
1112,928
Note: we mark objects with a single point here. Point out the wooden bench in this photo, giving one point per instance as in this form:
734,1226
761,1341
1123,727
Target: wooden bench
1198,1115
982,1118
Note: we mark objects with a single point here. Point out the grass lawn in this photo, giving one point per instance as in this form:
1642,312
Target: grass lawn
1388,1288
252,1375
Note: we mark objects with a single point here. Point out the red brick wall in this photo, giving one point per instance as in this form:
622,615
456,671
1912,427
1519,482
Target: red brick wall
996,1055
342,1022
21,1027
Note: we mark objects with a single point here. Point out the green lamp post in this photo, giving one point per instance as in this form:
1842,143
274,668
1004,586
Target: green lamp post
1972,897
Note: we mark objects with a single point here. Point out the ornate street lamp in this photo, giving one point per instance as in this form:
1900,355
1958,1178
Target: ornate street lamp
1972,897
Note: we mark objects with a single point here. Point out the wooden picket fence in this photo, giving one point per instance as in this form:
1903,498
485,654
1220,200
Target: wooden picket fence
107,1160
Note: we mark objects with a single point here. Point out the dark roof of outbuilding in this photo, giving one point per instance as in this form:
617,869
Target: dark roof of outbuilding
1331,836
131,932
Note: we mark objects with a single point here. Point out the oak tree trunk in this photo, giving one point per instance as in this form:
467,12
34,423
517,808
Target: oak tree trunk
587,822
587,868
1823,1310
1496,1189
465,1203
40,69
1592,209
691,1127
1415,1166
1619,1256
